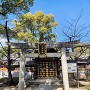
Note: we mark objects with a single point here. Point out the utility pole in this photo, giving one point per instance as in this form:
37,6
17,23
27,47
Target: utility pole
22,70
64,69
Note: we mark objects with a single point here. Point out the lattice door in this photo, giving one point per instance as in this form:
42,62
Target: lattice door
47,69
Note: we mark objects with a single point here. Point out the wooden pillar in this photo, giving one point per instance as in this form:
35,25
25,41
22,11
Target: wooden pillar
35,71
64,69
22,71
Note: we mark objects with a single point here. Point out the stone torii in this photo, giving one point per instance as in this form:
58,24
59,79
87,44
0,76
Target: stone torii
62,53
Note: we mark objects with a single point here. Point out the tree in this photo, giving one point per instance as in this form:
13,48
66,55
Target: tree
35,28
12,7
73,31
82,50
15,6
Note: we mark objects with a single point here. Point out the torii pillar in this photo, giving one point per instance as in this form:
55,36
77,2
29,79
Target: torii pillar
64,69
22,70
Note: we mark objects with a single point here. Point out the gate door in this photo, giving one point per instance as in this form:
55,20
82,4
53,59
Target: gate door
47,69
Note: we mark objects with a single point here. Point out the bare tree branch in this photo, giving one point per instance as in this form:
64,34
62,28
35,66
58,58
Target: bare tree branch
73,31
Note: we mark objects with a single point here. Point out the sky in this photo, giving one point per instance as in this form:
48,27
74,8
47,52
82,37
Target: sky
62,10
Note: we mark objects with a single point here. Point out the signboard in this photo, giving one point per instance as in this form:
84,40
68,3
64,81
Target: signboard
4,72
72,67
42,49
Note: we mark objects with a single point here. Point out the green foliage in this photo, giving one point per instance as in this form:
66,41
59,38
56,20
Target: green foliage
3,52
82,50
2,33
12,7
15,6
34,28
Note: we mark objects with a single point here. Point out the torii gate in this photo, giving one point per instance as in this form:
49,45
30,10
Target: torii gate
61,46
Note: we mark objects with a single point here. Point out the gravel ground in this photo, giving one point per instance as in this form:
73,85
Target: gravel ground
29,88
48,87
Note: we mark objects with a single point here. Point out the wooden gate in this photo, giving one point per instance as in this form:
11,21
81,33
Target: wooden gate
47,68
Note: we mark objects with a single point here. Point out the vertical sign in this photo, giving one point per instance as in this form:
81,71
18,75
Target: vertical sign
42,49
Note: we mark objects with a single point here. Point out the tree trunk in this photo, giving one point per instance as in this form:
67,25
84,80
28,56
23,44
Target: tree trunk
8,55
